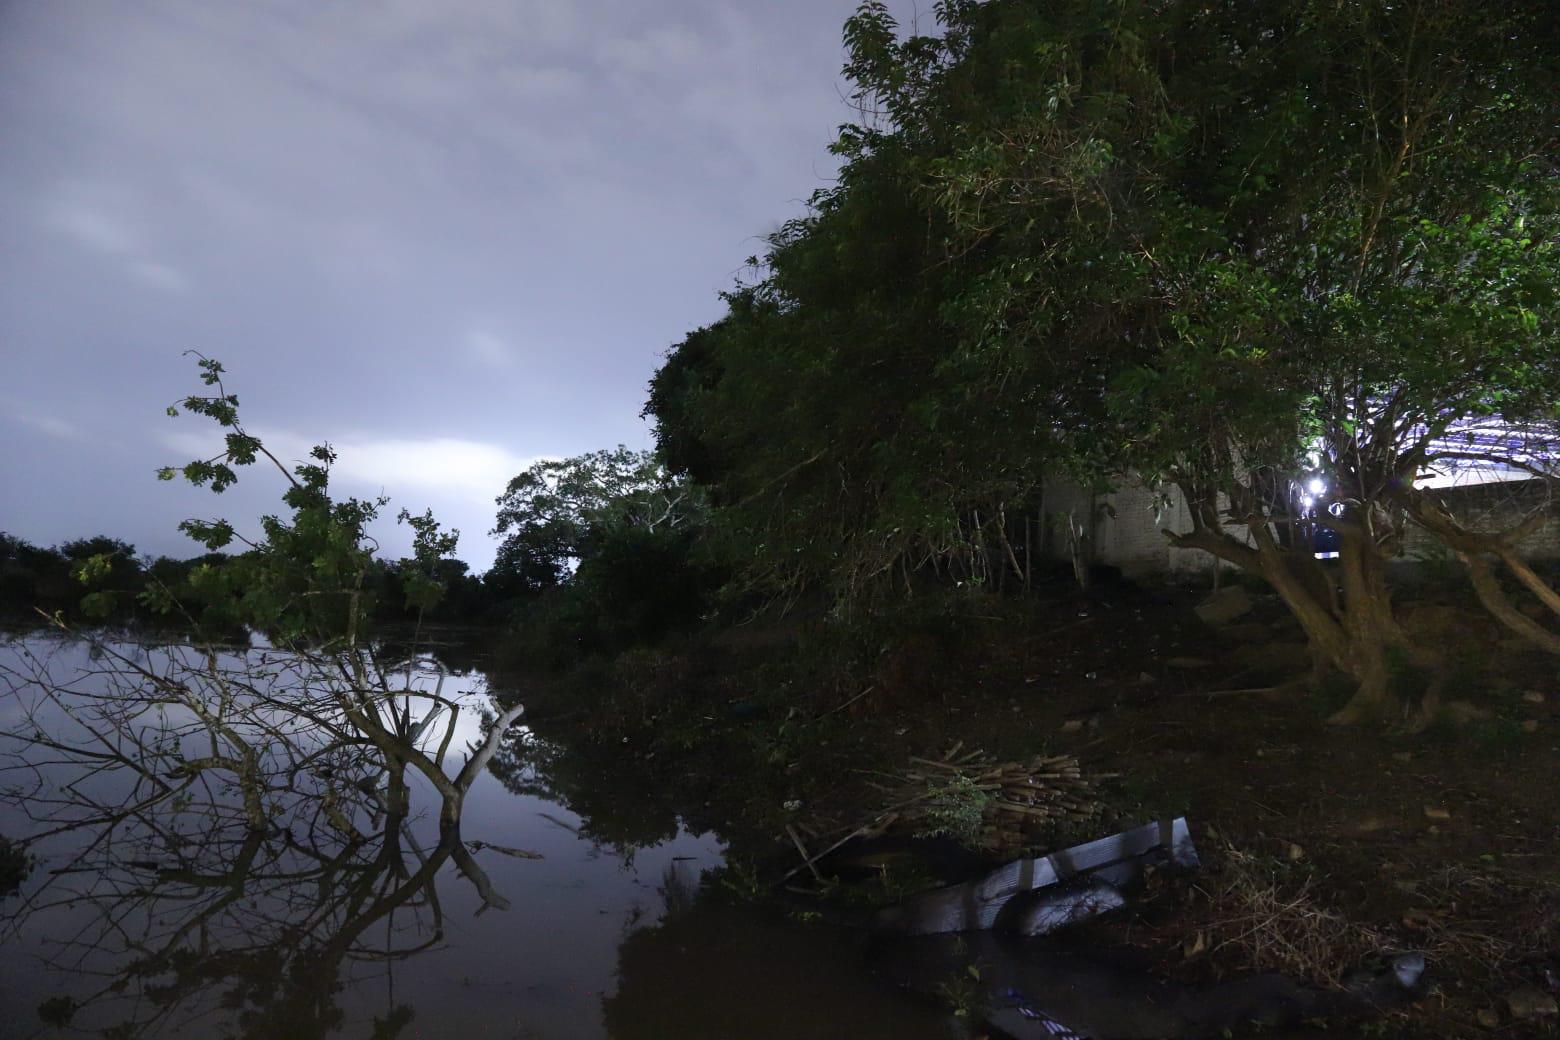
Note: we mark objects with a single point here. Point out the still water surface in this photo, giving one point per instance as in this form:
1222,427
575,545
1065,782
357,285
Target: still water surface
355,920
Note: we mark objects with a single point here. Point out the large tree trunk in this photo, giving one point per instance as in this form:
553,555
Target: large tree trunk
1356,630
1352,629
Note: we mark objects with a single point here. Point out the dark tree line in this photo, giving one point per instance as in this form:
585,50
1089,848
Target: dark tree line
1223,249
66,579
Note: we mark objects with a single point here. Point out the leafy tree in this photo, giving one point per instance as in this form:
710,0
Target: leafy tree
1329,235
120,551
1230,247
848,439
555,513
462,597
423,574
108,566
602,547
309,574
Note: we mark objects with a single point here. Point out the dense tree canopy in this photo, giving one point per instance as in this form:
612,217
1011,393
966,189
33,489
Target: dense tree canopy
598,552
559,512
1227,247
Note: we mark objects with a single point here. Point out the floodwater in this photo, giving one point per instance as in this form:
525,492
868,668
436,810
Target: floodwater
324,887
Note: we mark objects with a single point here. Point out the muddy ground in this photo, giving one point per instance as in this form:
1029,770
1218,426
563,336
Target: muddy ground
1322,846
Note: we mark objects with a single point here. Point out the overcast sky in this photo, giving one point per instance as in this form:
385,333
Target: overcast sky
449,236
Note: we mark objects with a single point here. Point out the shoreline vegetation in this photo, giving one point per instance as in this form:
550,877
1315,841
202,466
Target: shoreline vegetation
1288,266
1323,849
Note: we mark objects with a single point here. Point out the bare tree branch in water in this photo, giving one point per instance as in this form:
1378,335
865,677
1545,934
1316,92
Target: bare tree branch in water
233,822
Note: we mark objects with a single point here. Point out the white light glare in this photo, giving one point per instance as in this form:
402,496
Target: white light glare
1317,486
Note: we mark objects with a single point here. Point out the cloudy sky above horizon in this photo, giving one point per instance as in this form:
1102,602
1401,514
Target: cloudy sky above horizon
448,236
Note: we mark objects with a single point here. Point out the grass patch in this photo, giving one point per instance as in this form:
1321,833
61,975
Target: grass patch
1266,914
956,810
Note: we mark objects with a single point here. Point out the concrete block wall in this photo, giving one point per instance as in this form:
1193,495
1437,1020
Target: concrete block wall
1491,507
1127,535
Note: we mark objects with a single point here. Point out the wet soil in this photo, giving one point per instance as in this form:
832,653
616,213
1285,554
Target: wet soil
1444,840
1358,840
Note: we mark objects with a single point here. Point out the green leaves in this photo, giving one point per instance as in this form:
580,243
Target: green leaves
307,575
211,371
213,534
216,474
1094,237
93,568
430,546
555,513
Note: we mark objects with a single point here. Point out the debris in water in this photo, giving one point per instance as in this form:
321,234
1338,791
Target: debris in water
1083,881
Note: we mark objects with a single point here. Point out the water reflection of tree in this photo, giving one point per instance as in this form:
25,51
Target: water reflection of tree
715,971
234,826
456,652
617,799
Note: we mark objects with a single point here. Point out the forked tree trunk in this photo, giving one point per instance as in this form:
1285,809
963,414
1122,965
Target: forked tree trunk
1355,637
1353,629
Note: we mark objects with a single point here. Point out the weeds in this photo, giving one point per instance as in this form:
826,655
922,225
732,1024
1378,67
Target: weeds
741,880
1267,916
956,810
1273,924
1497,920
962,993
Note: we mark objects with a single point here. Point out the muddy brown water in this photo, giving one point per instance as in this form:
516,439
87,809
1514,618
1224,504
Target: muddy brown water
175,922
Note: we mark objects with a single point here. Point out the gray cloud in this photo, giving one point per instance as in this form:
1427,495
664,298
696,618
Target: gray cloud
448,235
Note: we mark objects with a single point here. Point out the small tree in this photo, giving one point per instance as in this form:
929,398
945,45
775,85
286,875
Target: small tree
282,774
307,576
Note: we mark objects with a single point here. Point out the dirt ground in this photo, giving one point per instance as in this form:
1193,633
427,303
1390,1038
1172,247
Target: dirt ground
1323,848
1321,845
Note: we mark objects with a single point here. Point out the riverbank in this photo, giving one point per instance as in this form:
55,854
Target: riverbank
1322,846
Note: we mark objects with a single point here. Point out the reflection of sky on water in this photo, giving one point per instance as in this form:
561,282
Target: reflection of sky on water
276,930
545,964
539,969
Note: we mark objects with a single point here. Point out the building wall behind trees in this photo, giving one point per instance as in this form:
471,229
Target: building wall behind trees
1127,534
